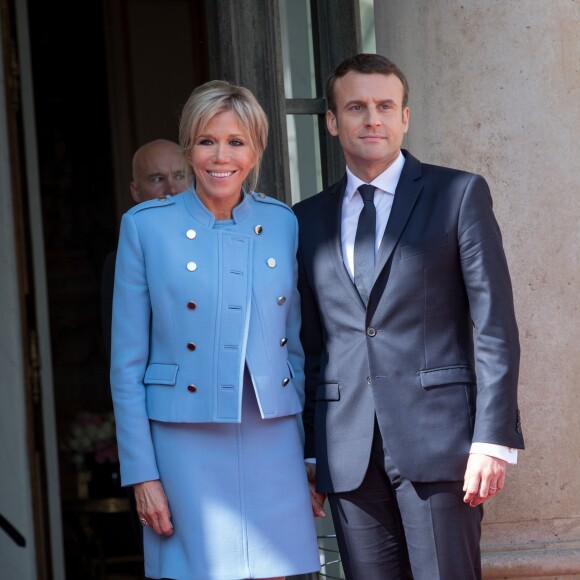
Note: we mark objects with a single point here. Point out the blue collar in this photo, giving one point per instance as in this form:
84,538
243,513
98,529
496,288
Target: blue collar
202,215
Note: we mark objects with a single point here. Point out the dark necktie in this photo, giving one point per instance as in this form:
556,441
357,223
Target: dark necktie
364,243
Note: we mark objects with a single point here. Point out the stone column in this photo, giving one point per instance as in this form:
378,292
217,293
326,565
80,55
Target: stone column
495,89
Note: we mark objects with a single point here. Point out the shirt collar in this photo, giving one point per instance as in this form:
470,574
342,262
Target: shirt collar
387,181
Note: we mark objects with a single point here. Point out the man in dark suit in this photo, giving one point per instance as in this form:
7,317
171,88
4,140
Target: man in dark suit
411,343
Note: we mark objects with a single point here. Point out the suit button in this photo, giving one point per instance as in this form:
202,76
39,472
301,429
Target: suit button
368,380
191,346
371,331
271,262
283,341
191,266
285,381
281,300
191,234
191,305
191,388
258,230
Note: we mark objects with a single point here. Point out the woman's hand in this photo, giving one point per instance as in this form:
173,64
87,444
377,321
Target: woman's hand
152,507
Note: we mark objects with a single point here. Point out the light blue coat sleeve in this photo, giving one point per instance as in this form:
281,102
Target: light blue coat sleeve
129,356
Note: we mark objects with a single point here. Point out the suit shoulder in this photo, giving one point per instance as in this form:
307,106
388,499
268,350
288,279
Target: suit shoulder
443,172
164,201
311,204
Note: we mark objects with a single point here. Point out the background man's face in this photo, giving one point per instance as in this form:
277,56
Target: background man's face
370,121
160,169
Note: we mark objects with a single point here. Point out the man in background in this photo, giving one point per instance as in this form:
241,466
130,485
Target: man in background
159,168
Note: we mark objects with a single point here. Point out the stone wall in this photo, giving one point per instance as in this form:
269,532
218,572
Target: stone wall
495,89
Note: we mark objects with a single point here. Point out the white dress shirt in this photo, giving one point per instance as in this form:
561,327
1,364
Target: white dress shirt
352,204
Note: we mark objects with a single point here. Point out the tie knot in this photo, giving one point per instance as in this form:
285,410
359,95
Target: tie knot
367,192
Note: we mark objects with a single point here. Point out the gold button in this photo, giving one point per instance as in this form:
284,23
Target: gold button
191,234
271,263
258,229
281,300
283,341
285,381
191,266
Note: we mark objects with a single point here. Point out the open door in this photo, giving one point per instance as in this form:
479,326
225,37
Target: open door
30,544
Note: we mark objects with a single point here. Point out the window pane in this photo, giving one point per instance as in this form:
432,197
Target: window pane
367,25
297,54
304,153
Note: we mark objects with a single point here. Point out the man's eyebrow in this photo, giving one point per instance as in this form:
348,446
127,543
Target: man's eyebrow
156,174
364,103
354,102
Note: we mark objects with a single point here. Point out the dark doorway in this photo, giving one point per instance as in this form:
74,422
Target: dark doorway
109,75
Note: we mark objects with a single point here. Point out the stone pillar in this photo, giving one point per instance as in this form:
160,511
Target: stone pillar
495,89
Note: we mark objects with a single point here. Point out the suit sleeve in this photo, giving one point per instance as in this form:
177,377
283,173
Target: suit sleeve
312,342
496,341
129,356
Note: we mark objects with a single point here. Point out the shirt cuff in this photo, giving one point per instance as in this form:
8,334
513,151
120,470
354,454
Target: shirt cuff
508,454
310,460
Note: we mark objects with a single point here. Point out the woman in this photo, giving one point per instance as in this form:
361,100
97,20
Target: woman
207,368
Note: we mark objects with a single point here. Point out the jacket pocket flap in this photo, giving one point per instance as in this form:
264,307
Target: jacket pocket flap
160,374
446,376
327,392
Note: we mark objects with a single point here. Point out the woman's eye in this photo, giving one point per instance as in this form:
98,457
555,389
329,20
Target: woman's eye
236,143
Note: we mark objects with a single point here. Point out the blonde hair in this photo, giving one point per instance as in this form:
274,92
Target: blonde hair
216,97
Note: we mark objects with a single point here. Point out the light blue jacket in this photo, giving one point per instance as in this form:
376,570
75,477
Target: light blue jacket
193,305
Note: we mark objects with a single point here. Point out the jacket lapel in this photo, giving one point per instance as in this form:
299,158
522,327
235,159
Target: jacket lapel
333,218
406,195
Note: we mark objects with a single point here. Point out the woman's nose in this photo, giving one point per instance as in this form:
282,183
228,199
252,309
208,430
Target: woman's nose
221,153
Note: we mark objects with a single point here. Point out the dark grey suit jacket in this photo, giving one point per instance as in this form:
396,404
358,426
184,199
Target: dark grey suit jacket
434,356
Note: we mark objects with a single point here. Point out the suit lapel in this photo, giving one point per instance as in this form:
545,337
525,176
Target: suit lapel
406,195
333,218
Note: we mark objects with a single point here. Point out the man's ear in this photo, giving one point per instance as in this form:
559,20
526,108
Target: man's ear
331,123
135,192
406,113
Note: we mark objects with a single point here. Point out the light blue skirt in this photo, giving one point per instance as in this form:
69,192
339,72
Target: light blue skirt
238,497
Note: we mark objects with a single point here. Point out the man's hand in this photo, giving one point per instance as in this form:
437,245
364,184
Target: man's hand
484,477
317,499
152,507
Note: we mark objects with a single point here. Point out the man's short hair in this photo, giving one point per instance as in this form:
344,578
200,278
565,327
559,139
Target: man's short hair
365,64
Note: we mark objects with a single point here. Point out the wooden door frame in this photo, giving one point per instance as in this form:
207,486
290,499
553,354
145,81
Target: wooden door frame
34,322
